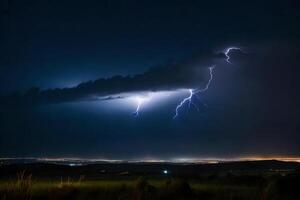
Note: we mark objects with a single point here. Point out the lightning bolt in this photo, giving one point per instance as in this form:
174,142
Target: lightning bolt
193,93
227,51
189,99
139,103
209,80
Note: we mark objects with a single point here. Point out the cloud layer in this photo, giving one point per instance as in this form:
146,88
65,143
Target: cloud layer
190,73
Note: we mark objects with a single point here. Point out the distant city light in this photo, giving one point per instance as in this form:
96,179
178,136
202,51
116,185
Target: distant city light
75,164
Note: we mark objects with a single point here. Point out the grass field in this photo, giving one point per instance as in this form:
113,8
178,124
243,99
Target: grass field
125,189
185,182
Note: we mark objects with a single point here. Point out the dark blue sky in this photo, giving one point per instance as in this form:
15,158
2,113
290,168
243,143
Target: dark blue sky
252,104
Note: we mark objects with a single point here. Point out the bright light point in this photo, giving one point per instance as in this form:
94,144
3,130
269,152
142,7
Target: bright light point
165,171
74,164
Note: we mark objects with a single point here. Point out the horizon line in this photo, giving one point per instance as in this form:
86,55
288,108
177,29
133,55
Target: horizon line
154,160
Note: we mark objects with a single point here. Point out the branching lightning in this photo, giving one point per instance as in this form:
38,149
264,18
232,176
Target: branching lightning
187,99
193,93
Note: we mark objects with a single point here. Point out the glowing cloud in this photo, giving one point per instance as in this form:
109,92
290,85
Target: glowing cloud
139,101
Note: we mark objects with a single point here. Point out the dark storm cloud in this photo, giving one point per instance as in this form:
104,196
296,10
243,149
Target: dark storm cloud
253,103
191,73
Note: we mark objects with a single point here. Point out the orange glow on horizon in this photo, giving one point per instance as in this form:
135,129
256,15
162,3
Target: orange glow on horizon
174,160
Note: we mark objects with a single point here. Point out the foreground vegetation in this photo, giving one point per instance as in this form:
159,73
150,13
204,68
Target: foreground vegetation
165,188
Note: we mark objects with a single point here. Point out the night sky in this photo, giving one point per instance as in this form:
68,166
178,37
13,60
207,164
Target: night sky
72,74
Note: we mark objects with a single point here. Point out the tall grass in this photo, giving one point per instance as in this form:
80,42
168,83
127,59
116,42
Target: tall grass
70,183
21,189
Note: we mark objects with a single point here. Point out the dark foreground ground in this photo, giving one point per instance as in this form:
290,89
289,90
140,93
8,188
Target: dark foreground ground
236,180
